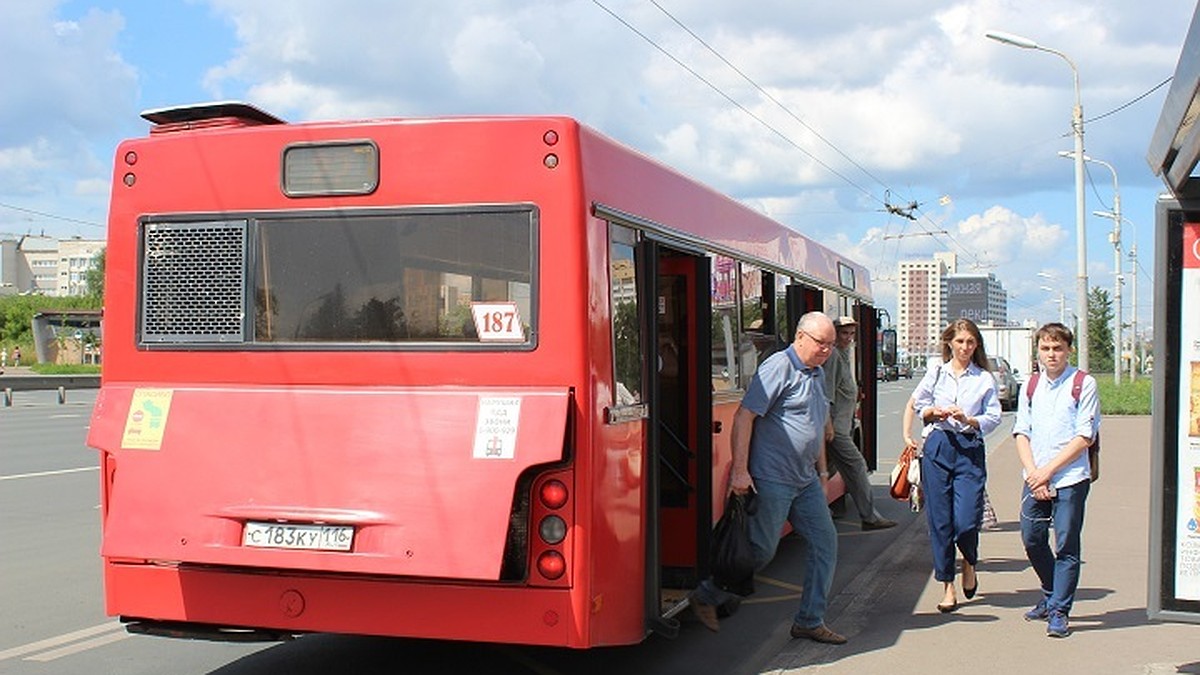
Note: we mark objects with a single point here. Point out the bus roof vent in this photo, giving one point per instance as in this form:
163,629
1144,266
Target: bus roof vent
208,115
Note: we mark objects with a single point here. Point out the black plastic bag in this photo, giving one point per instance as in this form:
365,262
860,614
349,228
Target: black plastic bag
733,563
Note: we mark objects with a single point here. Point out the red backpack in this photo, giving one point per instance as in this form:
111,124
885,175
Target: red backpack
1076,386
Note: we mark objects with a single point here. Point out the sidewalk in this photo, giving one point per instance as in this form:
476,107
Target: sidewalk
889,611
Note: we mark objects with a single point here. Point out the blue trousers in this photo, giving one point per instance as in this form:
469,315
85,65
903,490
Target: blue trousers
807,511
1057,569
953,474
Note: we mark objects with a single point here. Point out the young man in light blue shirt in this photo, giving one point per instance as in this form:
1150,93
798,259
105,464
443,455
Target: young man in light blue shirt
1055,424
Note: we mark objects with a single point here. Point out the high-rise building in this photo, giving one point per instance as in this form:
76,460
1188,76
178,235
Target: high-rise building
978,297
932,292
919,296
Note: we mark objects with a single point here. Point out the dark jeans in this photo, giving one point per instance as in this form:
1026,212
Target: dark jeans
807,511
953,473
1057,569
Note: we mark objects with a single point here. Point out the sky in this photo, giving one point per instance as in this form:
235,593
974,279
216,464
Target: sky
819,114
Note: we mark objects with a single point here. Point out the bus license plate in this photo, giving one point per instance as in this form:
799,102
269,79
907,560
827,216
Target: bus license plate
303,537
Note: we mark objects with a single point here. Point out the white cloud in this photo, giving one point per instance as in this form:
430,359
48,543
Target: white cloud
907,100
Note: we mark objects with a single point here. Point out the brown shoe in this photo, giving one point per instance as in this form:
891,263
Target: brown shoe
819,634
705,614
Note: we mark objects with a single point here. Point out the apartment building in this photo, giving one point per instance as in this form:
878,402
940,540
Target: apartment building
46,266
932,292
919,296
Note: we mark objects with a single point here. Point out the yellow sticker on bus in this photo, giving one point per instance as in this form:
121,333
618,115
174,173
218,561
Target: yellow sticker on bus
147,419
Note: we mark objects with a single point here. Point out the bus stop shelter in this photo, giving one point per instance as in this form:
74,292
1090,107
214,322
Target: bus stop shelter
1174,574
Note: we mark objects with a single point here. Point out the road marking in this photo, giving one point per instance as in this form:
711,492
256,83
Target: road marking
778,583
64,639
39,474
79,647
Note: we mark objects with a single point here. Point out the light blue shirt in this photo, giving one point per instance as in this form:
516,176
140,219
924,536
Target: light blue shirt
1054,419
974,391
789,399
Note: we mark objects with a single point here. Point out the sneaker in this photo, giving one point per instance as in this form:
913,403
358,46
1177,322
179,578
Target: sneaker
819,633
705,614
1039,612
879,524
1056,625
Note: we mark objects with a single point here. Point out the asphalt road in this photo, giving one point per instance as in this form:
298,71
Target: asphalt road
53,617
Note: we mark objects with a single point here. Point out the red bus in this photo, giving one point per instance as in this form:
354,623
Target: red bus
460,378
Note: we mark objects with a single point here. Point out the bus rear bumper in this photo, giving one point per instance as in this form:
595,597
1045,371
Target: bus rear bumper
248,605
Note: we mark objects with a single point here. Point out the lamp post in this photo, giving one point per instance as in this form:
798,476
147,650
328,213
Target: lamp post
1115,239
1137,349
1081,290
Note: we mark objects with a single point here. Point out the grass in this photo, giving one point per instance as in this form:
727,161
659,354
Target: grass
1127,398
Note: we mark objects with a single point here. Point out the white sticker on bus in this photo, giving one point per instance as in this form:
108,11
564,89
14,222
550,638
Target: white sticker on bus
496,427
497,322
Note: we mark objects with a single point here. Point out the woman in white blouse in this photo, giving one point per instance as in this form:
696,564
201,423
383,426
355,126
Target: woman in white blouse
959,402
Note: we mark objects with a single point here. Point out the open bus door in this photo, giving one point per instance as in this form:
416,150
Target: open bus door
868,386
679,453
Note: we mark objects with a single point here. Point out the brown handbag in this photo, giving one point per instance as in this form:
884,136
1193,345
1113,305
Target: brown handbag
901,488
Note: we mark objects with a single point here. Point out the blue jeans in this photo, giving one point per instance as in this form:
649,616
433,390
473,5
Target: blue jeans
1057,569
953,473
807,511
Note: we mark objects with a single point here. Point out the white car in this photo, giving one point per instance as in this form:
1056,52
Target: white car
1006,382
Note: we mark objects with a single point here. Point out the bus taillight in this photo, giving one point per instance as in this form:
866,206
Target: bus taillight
552,530
554,494
550,525
551,564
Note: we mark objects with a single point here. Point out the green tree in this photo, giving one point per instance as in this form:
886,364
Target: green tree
1100,334
95,280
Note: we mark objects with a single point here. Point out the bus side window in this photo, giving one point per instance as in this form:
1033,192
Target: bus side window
725,330
757,340
627,349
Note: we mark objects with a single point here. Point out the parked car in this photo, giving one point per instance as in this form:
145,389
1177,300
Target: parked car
1006,382
903,370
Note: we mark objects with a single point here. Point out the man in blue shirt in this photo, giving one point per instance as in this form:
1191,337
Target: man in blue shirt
1055,425
778,444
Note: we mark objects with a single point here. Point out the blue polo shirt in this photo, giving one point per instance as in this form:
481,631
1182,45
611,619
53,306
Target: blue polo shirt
789,399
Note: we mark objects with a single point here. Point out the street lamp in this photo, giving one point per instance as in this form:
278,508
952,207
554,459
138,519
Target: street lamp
1115,239
1081,290
1137,349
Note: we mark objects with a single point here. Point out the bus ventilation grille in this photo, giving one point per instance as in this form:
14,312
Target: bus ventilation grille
193,282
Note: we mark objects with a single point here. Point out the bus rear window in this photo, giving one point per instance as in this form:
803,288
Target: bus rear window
408,277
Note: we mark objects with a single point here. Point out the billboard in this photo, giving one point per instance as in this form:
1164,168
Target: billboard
1175,445
967,298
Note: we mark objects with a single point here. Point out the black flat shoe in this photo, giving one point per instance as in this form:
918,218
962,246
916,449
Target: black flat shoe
970,592
946,609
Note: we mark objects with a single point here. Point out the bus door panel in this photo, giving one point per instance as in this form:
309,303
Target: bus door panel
868,326
801,300
679,452
677,436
